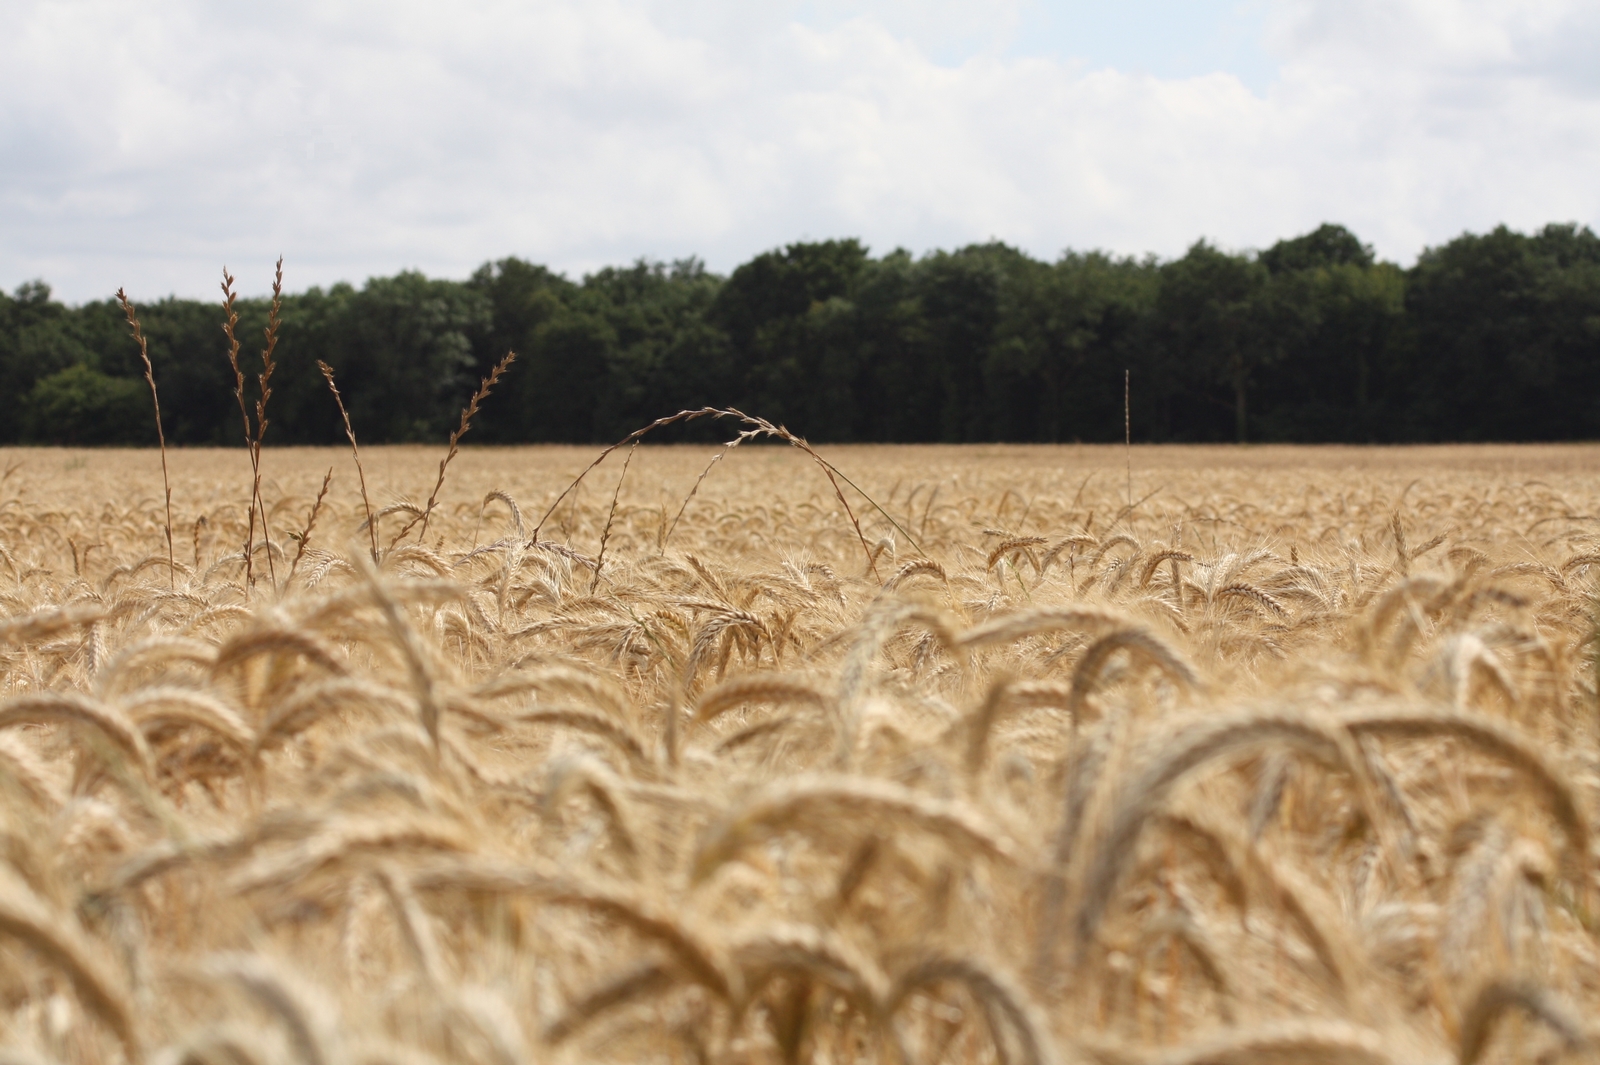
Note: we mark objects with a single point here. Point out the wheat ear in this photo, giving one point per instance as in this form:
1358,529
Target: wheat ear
882,620
915,567
106,721
274,640
41,624
608,792
1005,695
813,954
596,689
345,841
758,688
1500,743
1086,674
309,703
153,708
416,928
642,981
595,724
1022,623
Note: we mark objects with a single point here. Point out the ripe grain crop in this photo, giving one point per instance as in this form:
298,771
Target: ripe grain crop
764,755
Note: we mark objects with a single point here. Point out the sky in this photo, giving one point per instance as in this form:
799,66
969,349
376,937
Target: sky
147,145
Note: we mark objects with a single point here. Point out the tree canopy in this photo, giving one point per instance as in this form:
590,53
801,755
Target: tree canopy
1491,336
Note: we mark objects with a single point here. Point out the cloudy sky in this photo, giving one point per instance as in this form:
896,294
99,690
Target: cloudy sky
147,144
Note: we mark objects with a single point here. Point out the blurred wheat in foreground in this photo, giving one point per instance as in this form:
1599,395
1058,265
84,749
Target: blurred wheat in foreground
1284,757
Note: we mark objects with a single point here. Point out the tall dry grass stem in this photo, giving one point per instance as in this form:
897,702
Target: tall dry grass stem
355,450
311,523
252,430
721,454
611,515
132,316
470,411
264,393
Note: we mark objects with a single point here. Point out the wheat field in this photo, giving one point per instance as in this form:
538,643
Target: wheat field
1068,755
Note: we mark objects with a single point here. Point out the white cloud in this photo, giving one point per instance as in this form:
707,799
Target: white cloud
146,145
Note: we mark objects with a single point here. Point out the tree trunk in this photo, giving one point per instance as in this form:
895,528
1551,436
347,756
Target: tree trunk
1240,412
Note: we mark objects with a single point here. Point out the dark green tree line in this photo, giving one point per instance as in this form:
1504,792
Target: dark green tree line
1488,337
